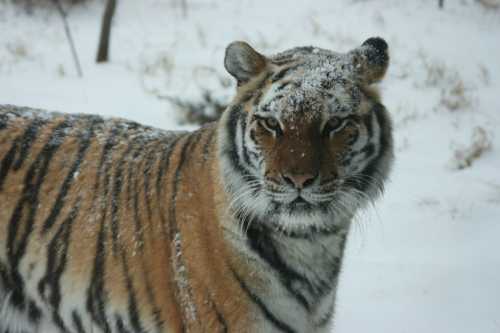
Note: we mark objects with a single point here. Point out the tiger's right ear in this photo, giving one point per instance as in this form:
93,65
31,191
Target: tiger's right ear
370,60
243,62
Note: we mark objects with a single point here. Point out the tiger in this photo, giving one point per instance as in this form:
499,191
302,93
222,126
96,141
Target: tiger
107,225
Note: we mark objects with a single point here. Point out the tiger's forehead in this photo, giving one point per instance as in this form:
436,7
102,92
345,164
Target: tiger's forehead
319,62
310,83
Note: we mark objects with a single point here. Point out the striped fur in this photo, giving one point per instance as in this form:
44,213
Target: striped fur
110,226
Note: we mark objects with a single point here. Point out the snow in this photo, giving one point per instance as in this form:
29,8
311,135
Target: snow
426,258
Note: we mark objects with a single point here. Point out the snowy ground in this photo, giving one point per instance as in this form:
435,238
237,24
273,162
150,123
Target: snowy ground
427,258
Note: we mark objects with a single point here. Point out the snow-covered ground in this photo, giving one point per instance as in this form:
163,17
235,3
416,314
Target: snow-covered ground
427,257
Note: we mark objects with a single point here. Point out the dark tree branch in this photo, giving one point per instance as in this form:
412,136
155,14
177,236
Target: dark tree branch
69,37
107,17
441,3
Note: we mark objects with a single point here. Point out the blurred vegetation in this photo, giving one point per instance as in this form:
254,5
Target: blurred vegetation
209,108
30,6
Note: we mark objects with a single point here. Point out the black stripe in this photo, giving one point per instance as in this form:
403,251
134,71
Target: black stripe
368,150
150,158
384,124
283,72
133,311
85,141
220,318
20,147
188,146
284,85
5,278
77,322
281,61
96,294
258,97
245,157
120,326
156,312
208,143
191,140
34,313
29,137
367,121
104,158
218,315
265,311
4,119
115,197
164,165
385,146
261,243
56,264
26,209
160,190
132,175
231,151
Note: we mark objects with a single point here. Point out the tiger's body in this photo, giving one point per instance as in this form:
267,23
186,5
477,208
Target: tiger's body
240,226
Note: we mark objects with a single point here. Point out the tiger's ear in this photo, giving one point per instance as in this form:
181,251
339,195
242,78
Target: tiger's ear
370,60
243,62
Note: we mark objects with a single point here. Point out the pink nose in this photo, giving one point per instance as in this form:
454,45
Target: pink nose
299,180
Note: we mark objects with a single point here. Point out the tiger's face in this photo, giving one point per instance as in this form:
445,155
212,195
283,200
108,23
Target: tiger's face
312,142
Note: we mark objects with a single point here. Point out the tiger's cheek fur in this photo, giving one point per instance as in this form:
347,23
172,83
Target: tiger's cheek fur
265,143
335,148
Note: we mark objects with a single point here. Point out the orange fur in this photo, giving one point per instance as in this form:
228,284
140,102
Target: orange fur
204,282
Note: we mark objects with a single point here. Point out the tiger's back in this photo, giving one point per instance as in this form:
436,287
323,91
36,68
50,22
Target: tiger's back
88,210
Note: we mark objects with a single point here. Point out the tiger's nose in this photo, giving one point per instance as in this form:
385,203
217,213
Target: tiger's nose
298,180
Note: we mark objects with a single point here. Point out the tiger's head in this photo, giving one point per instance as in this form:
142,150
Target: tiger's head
306,141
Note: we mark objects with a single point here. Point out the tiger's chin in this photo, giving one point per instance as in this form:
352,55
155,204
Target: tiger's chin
302,218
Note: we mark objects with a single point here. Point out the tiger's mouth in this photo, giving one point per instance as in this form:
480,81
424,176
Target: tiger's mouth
297,206
300,204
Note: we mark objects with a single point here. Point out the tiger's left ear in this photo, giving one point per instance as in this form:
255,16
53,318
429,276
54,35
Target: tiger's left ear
243,62
370,60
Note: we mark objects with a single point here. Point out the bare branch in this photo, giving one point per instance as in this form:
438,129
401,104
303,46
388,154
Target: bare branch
107,17
69,37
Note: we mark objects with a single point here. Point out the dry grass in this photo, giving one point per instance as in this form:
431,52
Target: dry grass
208,109
465,157
455,96
30,6
454,93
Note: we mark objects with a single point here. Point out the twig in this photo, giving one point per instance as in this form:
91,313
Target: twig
69,37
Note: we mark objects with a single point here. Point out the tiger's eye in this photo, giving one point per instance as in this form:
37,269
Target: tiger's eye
333,124
272,123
